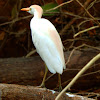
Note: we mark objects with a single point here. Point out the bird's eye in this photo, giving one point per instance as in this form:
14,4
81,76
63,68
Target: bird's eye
30,8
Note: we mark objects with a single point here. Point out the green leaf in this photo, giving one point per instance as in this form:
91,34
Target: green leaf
50,6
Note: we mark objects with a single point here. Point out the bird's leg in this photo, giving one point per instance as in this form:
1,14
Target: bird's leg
43,81
59,82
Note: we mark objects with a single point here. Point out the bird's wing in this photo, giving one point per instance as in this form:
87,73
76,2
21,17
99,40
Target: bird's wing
54,36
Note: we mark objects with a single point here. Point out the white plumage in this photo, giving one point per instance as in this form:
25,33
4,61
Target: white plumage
46,40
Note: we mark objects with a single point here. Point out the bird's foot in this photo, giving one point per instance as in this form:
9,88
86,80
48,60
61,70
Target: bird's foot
42,85
60,88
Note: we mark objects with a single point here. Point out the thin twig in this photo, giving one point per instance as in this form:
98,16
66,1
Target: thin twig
60,5
78,26
62,32
17,19
78,75
96,21
88,29
73,52
71,14
78,48
91,73
30,53
70,56
92,47
74,39
91,4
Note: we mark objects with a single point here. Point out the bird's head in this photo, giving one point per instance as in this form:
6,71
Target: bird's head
35,10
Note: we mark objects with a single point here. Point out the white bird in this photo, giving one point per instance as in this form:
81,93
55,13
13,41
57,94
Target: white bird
46,41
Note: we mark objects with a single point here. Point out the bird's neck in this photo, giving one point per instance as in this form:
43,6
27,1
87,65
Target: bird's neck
37,15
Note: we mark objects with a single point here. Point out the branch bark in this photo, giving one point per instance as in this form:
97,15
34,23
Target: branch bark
19,92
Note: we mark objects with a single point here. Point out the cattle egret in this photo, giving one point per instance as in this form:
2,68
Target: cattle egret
46,41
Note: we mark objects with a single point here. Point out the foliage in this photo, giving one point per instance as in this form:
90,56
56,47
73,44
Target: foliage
50,6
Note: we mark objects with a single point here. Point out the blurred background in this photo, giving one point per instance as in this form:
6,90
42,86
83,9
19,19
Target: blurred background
69,18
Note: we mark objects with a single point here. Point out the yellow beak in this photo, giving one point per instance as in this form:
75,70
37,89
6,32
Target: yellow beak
25,9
